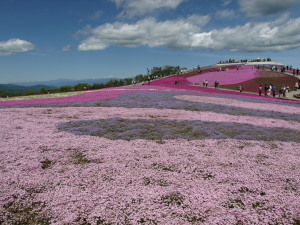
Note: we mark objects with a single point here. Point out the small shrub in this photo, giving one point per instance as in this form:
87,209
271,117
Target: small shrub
174,198
46,164
80,158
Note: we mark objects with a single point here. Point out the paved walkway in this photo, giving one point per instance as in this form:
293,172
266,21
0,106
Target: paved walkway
291,95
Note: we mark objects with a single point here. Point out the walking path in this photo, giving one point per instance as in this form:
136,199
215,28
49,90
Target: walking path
292,93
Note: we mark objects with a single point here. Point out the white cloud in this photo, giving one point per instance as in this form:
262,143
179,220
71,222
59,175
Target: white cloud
14,46
226,14
258,37
66,48
258,8
97,15
226,2
188,33
132,8
149,32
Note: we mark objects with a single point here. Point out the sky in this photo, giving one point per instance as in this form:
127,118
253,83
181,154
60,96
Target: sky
43,40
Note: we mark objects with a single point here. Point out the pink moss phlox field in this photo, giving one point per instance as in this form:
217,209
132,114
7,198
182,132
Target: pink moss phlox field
227,77
57,177
154,86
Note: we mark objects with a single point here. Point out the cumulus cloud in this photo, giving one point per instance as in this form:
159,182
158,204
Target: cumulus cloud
258,8
14,46
252,37
132,8
189,33
149,32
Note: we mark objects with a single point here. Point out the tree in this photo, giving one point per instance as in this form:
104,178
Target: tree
128,81
3,94
43,91
82,87
66,89
140,78
29,92
98,86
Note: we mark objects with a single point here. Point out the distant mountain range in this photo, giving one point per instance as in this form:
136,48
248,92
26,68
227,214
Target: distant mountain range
17,89
21,87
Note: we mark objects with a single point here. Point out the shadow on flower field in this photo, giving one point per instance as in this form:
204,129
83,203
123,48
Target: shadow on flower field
160,130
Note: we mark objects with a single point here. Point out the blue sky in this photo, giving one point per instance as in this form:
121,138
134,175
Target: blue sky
44,40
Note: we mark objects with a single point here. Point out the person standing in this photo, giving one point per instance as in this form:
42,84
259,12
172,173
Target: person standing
273,90
260,90
266,89
240,88
287,90
296,86
284,91
280,92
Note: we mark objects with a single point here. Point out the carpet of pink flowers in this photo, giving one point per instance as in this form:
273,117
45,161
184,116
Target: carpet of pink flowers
95,164
232,76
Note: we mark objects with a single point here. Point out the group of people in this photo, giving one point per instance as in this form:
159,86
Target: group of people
270,90
245,60
283,69
205,83
296,71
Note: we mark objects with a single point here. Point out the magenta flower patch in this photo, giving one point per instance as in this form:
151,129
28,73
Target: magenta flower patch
227,77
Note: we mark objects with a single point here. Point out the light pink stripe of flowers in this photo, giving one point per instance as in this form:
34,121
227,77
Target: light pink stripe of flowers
240,103
92,113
